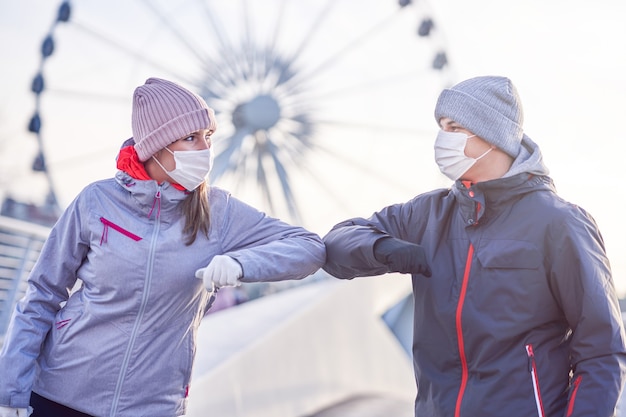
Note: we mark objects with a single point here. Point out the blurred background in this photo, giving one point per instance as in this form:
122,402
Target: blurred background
325,109
347,91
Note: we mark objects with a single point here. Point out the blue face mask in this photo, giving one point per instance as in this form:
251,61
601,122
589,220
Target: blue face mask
450,154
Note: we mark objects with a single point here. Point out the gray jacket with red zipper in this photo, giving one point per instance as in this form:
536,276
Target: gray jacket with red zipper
520,316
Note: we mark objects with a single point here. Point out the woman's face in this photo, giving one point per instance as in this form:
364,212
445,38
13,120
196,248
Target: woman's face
195,141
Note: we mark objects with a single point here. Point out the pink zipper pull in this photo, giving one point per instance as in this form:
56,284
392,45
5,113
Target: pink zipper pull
157,198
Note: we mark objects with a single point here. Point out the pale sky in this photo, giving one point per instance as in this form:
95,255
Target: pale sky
567,59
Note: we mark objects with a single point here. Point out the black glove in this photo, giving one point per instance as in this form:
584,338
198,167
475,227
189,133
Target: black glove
402,256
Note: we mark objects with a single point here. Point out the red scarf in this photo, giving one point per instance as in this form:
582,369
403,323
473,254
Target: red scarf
128,161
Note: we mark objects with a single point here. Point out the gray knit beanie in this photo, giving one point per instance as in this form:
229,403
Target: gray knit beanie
164,112
487,106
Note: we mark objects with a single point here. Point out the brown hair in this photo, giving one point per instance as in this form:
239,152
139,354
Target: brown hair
195,208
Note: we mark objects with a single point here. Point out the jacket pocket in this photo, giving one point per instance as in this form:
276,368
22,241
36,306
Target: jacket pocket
109,224
509,254
532,367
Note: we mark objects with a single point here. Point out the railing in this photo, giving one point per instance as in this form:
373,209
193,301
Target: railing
20,244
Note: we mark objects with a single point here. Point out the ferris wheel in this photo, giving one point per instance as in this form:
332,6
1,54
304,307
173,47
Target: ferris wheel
324,108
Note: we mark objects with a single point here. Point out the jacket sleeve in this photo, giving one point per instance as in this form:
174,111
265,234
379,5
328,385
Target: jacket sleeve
267,248
350,244
49,284
350,249
583,285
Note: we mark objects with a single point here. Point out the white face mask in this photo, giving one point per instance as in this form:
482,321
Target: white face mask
450,154
192,167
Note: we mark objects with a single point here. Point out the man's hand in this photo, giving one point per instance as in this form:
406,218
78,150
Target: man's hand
402,256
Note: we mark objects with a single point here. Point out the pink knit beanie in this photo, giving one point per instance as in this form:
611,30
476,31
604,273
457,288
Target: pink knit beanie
164,112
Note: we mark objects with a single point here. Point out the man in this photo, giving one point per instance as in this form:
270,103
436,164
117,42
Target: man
515,308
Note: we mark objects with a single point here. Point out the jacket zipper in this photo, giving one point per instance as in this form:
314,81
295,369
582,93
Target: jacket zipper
459,330
572,399
532,365
142,309
108,223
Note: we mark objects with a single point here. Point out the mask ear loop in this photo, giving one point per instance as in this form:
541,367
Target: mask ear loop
159,164
486,152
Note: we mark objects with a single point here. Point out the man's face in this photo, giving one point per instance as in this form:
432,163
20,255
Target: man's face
475,146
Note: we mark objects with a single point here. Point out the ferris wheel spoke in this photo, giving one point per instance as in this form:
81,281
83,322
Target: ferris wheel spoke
226,160
366,170
334,59
368,85
278,27
371,127
267,149
262,182
224,44
339,199
217,77
75,162
246,63
284,67
242,64
247,24
313,30
285,183
271,59
185,41
86,95
214,76
130,52
218,30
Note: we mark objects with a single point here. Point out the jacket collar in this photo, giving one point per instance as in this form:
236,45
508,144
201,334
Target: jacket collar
476,199
151,197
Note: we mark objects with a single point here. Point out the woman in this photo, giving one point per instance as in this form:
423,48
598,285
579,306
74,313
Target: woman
123,344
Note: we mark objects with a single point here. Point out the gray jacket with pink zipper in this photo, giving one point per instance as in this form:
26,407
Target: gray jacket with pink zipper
124,343
520,316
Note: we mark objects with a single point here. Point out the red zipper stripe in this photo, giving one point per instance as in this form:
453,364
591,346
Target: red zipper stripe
459,330
572,399
119,229
535,379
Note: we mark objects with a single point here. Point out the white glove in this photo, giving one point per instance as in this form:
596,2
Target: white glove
13,412
222,271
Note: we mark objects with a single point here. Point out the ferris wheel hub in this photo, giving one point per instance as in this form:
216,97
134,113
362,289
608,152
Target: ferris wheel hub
260,113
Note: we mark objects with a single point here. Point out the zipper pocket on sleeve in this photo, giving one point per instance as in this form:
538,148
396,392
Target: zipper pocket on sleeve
532,367
105,232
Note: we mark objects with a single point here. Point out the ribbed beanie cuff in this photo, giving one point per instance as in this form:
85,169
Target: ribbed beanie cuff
164,112
487,106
